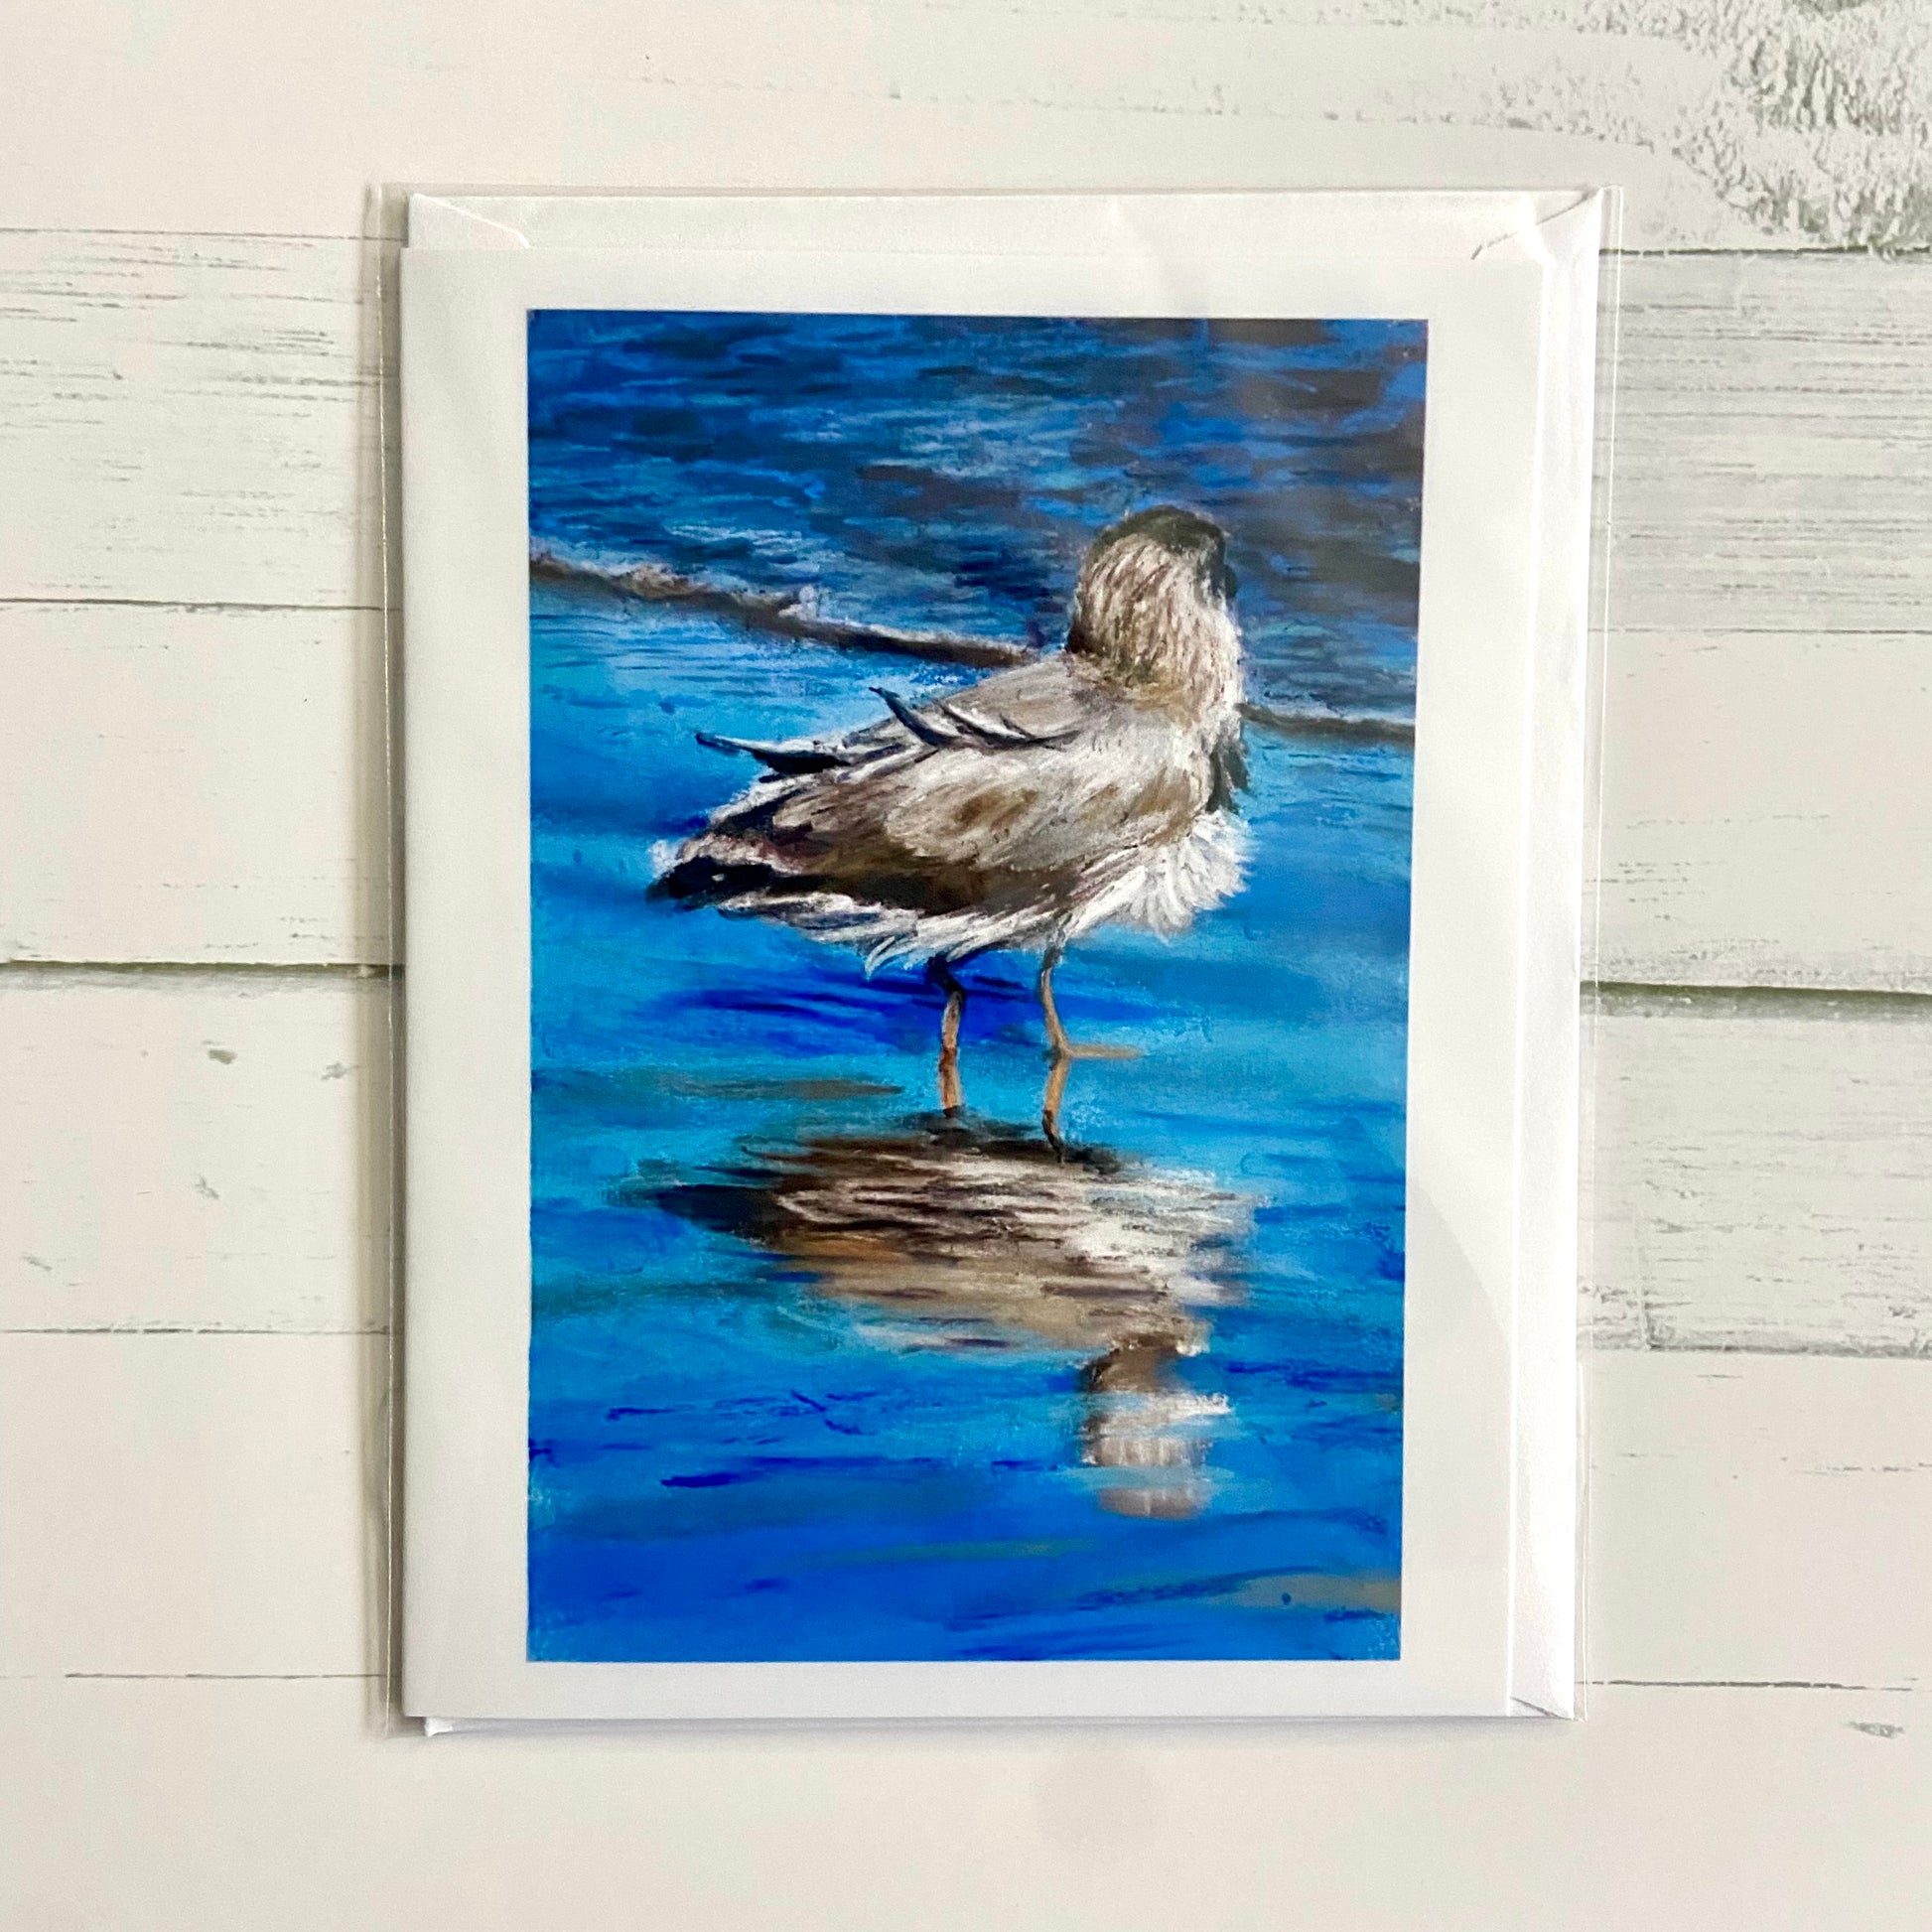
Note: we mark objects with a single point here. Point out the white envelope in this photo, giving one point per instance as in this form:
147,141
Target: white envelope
1491,1485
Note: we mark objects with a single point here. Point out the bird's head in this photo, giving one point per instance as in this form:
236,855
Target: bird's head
1152,611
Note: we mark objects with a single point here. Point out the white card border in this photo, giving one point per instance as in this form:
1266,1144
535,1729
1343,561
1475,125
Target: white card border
1476,912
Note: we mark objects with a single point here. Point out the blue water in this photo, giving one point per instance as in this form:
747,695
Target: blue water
763,1427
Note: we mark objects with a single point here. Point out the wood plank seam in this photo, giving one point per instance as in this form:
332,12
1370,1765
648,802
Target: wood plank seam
1625,993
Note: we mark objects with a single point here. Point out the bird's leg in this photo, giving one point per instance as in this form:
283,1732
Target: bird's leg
1056,1040
1058,1044
1049,1101
951,1094
1062,1052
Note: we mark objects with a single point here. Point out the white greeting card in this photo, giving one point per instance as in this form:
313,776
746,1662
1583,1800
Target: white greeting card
994,856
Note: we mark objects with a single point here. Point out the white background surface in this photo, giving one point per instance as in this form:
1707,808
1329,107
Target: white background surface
194,1174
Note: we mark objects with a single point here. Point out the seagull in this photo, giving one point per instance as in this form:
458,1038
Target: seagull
1093,785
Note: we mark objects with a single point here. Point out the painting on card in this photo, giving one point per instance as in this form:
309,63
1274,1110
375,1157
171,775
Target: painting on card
970,808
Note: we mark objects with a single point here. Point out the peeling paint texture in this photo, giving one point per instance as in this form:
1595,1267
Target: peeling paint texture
1816,122
1811,118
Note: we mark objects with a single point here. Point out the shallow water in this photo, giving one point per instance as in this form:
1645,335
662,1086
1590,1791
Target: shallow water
816,1374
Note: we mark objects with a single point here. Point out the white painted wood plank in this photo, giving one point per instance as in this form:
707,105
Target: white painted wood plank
181,1151
191,1503
217,778
227,1807
1773,429
1763,1175
1759,1519
181,783
1773,424
1765,118
1759,1179
186,419
213,1505
1761,823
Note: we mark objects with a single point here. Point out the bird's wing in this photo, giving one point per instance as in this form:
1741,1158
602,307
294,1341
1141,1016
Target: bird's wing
1031,705
1048,702
1015,790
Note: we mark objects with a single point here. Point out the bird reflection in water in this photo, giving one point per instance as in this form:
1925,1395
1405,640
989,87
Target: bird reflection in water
958,1234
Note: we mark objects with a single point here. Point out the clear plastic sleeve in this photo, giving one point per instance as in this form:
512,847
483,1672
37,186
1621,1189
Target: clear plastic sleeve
736,1268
